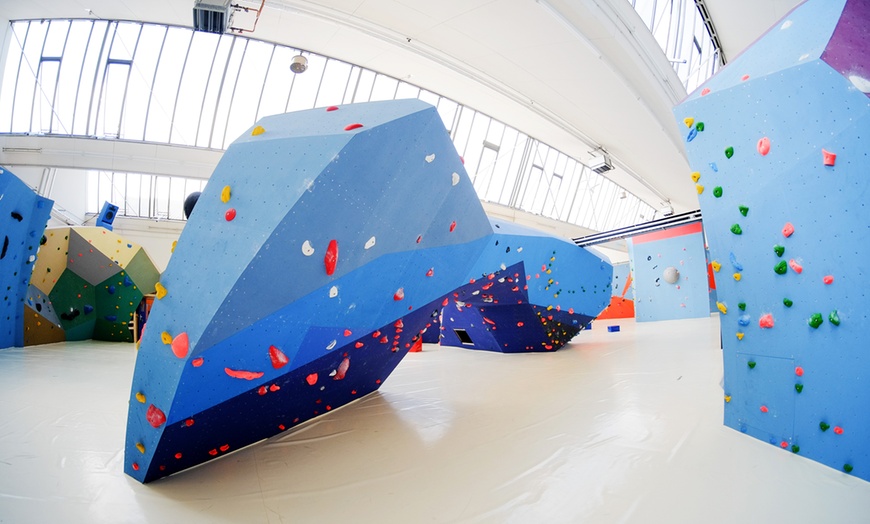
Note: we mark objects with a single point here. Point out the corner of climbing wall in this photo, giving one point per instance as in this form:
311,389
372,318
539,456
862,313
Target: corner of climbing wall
777,141
23,215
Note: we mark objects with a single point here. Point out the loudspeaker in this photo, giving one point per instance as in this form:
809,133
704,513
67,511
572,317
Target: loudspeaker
107,215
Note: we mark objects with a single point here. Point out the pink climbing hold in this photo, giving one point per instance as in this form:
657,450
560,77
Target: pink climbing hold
828,158
764,409
705,91
399,294
799,371
246,375
155,416
342,369
787,230
278,358
766,321
744,78
829,279
763,146
230,214
331,257
180,345
797,268
351,127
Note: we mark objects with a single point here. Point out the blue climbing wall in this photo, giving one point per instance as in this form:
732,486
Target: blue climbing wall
23,215
791,219
682,248
322,246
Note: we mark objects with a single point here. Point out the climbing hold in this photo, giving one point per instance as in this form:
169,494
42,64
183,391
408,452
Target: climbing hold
166,338
342,369
828,158
160,290
155,416
245,375
226,192
351,127
823,426
729,152
311,379
452,226
779,250
781,268
140,397
834,318
197,362
705,91
688,121
763,146
815,321
764,409
455,178
751,364
714,167
743,210
430,158
370,243
838,430
180,345
259,130
787,302
692,134
740,335
795,448
331,257
430,272
727,398
722,307
399,294
847,468
696,176
717,191
733,259
716,266
332,108
744,320
307,250
787,229
700,127
699,188
741,306
766,321
798,387
828,279
140,447
278,358
174,244
333,292
737,277
230,214
736,229
797,268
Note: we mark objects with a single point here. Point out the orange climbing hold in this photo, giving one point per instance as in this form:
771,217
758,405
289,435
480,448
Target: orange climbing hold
180,345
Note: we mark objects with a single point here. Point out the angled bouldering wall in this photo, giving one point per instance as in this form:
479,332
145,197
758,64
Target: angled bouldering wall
622,294
778,142
325,242
23,215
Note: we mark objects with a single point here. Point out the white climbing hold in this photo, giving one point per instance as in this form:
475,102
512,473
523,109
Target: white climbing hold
333,292
370,243
519,250
307,250
786,24
332,344
430,158
503,267
455,178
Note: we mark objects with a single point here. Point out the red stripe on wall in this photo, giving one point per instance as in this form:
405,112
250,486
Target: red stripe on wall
688,229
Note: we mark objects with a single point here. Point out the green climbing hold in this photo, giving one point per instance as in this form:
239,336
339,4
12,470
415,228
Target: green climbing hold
781,268
795,448
779,250
751,364
798,387
699,126
717,191
815,321
742,306
847,468
823,426
729,152
743,210
834,318
736,229
787,302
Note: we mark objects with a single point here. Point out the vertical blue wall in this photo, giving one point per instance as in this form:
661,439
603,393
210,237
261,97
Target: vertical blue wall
681,247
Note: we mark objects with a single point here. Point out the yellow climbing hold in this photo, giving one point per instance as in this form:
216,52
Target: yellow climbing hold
688,121
166,338
226,192
696,176
174,243
258,131
140,397
716,266
699,188
737,276
140,447
739,335
727,398
722,307
161,291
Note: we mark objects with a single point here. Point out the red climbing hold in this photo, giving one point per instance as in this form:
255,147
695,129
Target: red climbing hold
787,229
331,257
135,467
764,409
520,324
829,279
399,294
783,444
452,226
225,447
180,345
351,127
262,391
230,214
571,311
274,387
278,358
445,302
376,334
797,268
342,369
246,375
311,379
744,78
332,108
348,332
188,422
828,158
838,430
766,321
155,416
399,324
197,362
212,452
763,146
178,455
430,272
705,91
799,371
419,238
358,345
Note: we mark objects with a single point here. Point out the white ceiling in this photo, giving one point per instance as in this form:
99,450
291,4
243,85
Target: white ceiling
568,72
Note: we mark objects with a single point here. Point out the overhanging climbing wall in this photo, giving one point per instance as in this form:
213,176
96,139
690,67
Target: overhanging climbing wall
779,142
321,247
23,215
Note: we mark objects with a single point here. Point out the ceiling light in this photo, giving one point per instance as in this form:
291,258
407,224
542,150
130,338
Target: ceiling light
299,64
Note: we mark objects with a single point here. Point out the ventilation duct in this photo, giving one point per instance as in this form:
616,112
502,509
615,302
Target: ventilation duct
211,16
600,163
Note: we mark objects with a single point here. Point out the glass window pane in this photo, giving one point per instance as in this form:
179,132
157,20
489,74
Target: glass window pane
406,90
194,81
47,88
109,120
165,88
215,82
89,81
384,88
363,90
279,79
248,88
54,41
334,83
305,85
124,41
